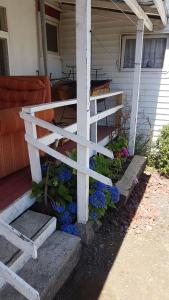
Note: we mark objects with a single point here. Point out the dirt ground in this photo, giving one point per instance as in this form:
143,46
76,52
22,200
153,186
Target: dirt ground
129,258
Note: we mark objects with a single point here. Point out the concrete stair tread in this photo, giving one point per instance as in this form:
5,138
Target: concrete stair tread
29,224
57,257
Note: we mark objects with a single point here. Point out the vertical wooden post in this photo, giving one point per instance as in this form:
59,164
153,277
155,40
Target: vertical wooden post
44,38
118,116
93,129
34,156
136,85
83,64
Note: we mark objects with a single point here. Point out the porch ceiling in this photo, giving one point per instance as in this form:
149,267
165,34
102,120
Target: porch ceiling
152,10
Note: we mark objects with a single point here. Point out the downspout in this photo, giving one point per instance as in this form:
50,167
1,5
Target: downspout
44,37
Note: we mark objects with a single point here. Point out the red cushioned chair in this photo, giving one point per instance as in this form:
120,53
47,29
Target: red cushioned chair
16,92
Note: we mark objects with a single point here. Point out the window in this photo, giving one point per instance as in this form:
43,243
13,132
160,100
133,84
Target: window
4,64
52,37
3,19
153,52
4,59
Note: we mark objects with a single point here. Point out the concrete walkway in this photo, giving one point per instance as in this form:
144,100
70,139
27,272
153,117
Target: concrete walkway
129,259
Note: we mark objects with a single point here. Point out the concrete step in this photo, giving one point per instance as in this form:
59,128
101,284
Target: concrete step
35,226
57,258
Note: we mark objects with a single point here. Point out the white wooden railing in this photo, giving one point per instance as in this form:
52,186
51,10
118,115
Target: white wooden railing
35,144
29,248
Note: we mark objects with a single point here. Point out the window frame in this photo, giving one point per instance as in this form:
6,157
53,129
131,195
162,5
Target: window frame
146,36
5,35
54,22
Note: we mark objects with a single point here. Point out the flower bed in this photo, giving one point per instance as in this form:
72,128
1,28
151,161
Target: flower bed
58,189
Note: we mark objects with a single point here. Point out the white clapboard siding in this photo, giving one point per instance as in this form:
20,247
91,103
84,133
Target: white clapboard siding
106,38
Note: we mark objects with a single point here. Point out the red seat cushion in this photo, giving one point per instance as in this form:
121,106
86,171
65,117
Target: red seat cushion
21,85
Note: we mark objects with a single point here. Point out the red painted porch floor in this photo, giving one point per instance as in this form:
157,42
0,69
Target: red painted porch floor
15,185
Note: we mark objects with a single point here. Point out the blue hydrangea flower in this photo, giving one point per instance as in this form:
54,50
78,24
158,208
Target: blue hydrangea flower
72,207
115,194
44,168
100,186
71,229
58,208
93,216
65,175
97,199
65,219
92,164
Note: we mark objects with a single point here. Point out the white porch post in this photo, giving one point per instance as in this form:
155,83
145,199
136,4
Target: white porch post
93,129
136,85
34,156
44,38
83,64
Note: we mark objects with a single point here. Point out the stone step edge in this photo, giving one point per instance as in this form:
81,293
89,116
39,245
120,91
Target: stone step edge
19,259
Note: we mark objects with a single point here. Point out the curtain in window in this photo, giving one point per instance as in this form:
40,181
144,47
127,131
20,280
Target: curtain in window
129,56
153,53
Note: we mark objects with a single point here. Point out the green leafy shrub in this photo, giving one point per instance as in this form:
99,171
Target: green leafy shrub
58,189
159,157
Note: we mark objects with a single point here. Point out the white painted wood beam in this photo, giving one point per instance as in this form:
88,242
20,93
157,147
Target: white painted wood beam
139,12
52,137
66,134
83,65
93,128
18,239
18,283
44,36
105,114
136,86
110,5
161,10
34,156
66,160
46,106
56,104
17,263
167,6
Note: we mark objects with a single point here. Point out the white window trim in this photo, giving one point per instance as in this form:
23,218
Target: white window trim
54,22
147,36
5,35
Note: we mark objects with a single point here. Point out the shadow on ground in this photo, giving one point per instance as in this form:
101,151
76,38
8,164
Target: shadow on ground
89,277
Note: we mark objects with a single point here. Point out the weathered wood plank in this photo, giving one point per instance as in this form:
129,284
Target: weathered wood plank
130,177
139,12
161,10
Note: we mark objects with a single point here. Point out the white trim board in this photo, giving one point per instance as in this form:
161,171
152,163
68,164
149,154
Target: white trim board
14,210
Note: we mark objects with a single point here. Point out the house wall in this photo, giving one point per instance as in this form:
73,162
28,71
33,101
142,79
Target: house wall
23,42
106,49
